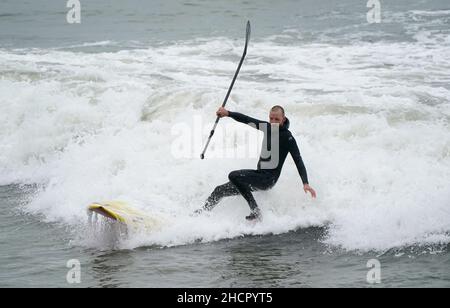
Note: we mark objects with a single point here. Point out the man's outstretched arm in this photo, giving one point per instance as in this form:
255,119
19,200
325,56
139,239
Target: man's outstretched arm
255,123
295,153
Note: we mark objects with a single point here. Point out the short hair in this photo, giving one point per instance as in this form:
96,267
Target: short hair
278,108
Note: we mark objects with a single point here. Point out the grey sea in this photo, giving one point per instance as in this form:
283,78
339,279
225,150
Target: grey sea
118,104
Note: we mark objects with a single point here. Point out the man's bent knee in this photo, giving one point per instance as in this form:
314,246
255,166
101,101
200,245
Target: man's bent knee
233,176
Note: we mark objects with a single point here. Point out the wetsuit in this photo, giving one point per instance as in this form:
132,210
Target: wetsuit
243,182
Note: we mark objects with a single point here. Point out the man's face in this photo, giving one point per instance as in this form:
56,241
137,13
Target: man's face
277,117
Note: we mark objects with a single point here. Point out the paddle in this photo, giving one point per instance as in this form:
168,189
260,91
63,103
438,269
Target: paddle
247,39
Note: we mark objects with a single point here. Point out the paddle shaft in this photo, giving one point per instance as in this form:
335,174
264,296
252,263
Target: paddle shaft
247,38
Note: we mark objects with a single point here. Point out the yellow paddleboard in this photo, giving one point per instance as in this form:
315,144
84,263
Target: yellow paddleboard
126,214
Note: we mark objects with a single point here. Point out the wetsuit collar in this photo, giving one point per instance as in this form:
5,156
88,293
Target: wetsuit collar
286,125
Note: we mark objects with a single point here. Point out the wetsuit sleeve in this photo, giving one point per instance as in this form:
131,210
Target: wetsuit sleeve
295,153
255,123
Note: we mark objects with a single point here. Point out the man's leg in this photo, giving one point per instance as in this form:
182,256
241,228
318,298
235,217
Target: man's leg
222,191
243,180
247,181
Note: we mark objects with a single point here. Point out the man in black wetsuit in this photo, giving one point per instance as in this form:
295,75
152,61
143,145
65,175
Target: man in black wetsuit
278,142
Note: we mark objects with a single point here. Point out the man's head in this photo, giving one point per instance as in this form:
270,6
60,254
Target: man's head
277,115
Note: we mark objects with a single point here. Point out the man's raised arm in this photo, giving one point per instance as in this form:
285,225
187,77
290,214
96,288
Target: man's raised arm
255,123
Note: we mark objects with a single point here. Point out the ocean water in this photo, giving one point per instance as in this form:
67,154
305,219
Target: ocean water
98,111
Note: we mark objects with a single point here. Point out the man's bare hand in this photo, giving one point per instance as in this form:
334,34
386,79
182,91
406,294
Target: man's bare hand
222,112
308,188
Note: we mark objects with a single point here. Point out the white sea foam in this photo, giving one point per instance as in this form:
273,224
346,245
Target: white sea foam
436,13
372,122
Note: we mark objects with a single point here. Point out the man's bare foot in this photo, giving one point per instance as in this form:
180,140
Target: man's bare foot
255,215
